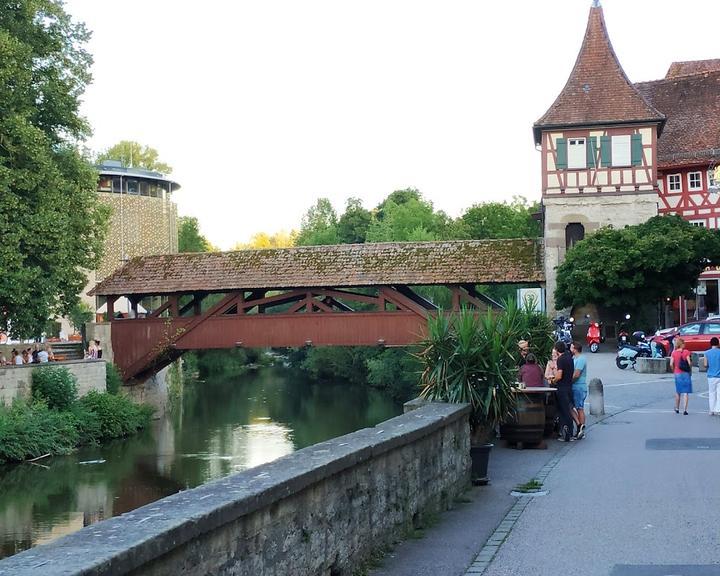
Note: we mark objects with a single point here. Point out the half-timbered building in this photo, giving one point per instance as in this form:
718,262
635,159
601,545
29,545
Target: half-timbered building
617,153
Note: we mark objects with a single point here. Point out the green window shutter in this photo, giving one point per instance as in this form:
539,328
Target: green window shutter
561,163
605,152
591,150
636,149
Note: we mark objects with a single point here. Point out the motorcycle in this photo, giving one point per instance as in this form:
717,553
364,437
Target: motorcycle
594,336
563,330
623,335
628,354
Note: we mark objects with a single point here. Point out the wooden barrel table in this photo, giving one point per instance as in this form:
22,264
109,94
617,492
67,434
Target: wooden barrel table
528,424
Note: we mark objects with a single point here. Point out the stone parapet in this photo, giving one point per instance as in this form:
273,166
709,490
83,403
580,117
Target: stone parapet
321,510
16,381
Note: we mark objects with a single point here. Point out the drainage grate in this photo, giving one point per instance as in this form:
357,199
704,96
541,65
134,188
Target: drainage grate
683,444
665,570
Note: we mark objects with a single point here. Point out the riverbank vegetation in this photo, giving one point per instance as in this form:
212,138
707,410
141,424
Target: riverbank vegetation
54,421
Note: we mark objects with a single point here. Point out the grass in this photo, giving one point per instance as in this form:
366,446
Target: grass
533,485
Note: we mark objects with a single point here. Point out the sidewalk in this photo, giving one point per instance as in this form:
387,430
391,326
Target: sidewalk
642,489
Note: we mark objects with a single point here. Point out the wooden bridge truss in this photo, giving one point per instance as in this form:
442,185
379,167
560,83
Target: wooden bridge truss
367,316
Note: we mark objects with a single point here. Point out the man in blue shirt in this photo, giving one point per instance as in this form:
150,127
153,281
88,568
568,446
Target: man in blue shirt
579,387
712,363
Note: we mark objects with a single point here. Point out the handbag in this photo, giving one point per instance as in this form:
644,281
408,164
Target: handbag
684,365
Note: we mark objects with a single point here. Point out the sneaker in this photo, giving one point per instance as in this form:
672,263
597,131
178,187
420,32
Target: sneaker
572,439
581,432
561,439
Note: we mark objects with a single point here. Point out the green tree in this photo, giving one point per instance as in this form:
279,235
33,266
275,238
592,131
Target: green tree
410,218
135,155
354,223
500,220
319,225
630,267
189,237
52,226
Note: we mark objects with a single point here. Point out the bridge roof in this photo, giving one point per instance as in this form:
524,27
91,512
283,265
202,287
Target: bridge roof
344,265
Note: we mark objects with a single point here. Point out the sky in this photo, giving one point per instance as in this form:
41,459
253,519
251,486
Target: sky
262,107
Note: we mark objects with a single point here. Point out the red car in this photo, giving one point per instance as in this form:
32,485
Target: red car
695,334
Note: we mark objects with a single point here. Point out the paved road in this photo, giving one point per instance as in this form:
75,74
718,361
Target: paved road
617,501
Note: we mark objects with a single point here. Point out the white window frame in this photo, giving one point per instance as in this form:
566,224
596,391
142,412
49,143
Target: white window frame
699,223
574,161
679,182
690,186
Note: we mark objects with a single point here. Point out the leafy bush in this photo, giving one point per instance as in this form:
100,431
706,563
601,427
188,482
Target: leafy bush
117,415
57,386
113,381
86,422
31,430
396,371
343,363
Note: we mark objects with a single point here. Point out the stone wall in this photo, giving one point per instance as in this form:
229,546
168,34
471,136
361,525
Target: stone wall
139,226
15,381
593,211
322,510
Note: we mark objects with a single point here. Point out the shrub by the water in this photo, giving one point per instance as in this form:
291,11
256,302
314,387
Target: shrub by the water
31,430
57,386
55,422
117,415
113,381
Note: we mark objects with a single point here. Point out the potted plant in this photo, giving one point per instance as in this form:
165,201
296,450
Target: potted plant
471,357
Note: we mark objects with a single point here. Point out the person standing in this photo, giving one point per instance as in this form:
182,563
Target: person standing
524,348
579,387
563,381
551,367
712,363
682,369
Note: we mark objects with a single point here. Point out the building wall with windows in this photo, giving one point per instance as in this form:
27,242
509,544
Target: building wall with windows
143,218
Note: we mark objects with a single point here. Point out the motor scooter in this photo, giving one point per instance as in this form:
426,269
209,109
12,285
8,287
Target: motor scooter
594,335
628,354
563,330
623,334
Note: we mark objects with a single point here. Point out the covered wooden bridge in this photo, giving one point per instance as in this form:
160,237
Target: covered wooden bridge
340,295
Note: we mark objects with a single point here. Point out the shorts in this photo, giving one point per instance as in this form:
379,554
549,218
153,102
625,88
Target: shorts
579,395
683,383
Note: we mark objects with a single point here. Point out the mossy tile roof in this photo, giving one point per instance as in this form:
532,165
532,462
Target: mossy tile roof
345,265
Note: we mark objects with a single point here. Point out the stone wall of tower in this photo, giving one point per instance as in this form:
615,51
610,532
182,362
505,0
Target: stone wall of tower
139,226
593,212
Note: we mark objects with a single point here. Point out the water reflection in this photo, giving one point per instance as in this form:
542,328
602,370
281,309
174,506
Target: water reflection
223,426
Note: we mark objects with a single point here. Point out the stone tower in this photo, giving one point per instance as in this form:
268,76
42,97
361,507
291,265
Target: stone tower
599,151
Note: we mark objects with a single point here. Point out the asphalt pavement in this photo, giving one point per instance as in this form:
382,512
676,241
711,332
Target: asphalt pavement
639,496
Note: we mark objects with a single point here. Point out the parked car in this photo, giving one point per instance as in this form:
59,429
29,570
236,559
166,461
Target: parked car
696,334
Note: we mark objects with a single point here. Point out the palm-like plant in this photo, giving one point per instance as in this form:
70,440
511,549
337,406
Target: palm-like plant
472,357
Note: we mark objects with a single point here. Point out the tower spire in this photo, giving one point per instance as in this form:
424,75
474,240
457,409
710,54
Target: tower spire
597,91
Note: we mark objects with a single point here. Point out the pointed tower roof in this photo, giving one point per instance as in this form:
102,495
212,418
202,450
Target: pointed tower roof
598,90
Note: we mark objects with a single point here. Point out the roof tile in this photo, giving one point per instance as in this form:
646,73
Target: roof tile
598,90
692,106
344,265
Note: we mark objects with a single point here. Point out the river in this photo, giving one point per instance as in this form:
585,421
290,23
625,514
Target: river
223,426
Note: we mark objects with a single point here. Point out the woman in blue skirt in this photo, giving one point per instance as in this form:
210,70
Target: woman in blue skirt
680,362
